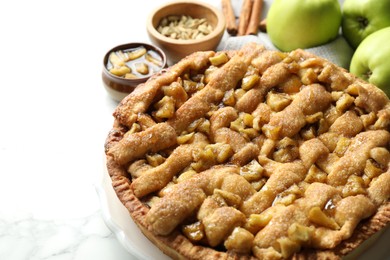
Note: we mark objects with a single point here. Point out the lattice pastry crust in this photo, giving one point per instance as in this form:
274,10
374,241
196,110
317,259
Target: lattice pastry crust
253,154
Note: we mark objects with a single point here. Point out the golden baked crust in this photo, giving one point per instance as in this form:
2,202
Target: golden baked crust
253,154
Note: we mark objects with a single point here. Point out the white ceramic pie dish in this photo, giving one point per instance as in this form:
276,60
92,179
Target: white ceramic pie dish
118,220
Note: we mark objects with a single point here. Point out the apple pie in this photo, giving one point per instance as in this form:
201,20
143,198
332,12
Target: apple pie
253,154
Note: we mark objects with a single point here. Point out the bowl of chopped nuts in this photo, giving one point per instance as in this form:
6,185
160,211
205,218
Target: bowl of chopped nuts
183,27
128,65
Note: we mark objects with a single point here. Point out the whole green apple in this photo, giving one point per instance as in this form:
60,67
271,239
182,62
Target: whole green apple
371,60
293,24
363,17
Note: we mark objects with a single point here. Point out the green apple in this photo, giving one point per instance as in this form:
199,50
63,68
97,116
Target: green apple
293,24
363,17
371,60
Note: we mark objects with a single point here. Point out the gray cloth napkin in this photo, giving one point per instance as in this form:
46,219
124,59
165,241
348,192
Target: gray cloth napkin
337,51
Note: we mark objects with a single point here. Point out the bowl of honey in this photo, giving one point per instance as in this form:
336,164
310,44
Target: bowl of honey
128,65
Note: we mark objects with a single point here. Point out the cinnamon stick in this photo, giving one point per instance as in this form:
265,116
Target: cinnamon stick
254,20
231,25
245,14
263,25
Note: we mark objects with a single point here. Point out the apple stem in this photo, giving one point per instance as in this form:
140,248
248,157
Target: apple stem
368,74
363,22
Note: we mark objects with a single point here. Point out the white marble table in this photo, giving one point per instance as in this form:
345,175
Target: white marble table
55,115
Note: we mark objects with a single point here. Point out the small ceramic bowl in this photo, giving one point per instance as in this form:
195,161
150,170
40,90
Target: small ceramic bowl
119,87
177,49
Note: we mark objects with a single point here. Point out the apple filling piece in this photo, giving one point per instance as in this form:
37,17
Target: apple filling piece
253,153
